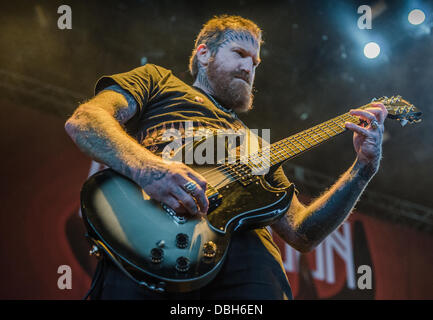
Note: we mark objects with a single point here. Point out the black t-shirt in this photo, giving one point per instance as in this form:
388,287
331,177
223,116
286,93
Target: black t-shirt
165,102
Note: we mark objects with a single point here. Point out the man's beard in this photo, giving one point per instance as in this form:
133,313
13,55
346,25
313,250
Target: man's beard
232,93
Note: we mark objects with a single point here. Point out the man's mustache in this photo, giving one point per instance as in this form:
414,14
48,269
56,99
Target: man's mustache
242,75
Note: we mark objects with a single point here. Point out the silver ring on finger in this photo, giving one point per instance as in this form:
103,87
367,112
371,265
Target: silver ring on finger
190,187
374,124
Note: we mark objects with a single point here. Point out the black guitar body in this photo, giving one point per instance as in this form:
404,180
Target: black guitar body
166,252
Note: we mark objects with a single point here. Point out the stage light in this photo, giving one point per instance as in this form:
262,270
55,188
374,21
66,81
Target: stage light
304,116
371,50
416,17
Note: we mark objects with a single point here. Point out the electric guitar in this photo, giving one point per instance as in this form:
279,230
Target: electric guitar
163,251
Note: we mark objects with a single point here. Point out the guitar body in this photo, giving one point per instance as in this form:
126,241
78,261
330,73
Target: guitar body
167,252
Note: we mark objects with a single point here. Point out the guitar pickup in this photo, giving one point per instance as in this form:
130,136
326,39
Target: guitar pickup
172,213
214,198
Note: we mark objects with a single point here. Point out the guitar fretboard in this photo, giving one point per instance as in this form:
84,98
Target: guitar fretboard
258,163
296,144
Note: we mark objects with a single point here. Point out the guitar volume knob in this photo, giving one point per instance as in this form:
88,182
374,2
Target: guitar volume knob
156,255
182,264
181,240
209,249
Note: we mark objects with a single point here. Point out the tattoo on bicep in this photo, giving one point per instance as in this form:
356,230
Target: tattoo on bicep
123,114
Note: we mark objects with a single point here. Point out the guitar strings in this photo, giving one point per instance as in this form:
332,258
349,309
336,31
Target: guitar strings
330,124
304,135
276,154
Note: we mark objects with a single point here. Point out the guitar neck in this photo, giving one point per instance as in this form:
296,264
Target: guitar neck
290,147
296,144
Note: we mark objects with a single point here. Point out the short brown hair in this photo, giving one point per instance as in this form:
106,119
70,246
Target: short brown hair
213,35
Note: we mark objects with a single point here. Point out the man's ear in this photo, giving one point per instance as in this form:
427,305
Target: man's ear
203,54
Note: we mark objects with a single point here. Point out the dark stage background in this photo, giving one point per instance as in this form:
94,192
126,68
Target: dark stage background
312,69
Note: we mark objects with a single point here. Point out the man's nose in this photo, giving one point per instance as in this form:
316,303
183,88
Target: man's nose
247,69
247,65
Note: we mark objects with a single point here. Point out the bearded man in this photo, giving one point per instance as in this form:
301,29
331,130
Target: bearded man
123,125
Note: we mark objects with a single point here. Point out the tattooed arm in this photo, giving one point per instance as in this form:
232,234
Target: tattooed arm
304,227
96,128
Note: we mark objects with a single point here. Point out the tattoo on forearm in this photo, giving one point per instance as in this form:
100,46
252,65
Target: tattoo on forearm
113,147
91,143
148,175
328,212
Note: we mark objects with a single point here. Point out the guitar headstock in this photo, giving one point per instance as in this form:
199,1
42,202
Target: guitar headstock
400,109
